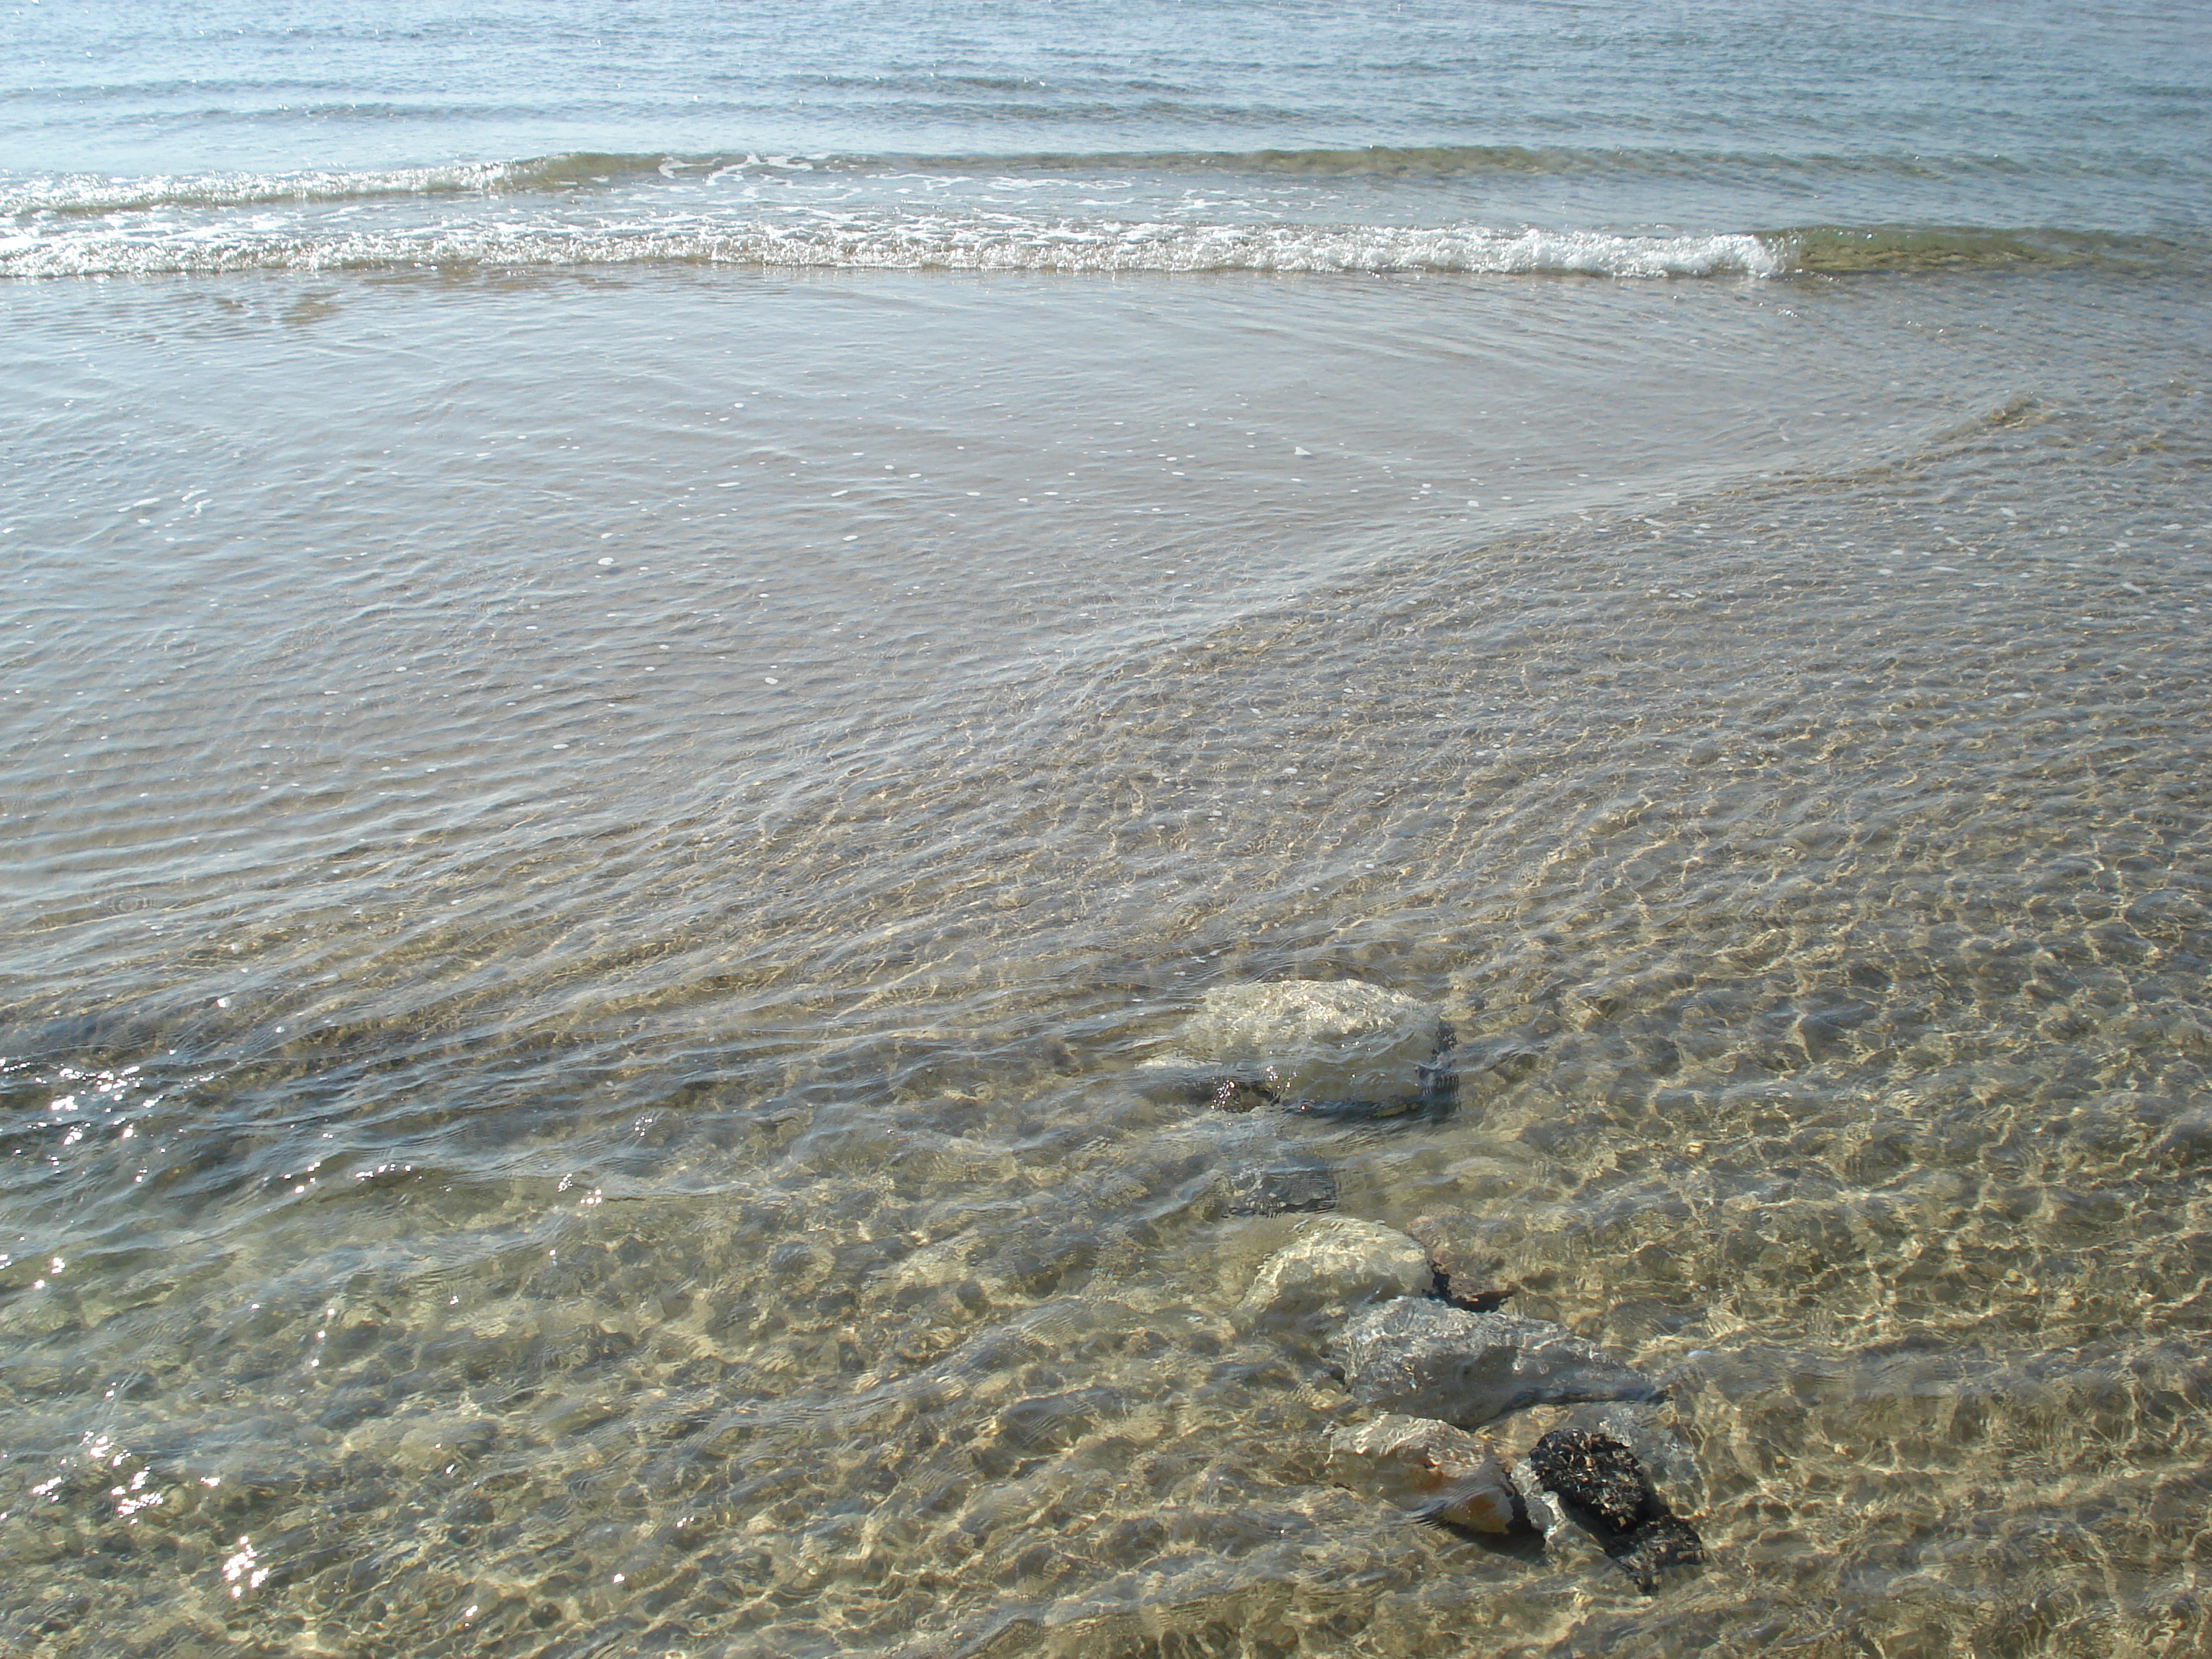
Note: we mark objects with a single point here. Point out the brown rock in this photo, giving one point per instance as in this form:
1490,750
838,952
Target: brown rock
1428,1469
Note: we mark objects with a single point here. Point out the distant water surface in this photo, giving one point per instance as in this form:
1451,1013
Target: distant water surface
647,646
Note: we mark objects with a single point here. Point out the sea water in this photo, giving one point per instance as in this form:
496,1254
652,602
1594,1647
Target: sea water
648,646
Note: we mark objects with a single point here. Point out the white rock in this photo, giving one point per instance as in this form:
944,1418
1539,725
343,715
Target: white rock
1313,1039
1335,1265
1544,1512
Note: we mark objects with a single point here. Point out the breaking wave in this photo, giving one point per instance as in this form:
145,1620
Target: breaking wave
87,193
921,244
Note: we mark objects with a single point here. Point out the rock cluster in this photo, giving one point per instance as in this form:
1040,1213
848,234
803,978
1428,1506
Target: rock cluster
1436,1370
1443,1370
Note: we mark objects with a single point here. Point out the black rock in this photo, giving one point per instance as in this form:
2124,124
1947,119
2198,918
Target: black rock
1669,1541
1597,1475
1603,1487
1643,1427
1440,1287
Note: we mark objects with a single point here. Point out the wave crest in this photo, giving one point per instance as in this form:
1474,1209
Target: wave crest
86,193
926,244
73,194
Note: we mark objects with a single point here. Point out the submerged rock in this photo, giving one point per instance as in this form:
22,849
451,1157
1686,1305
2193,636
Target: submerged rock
1428,1468
1336,1264
1646,1428
1666,1541
1603,1487
1597,1475
1234,1094
1468,1301
1280,1186
1427,1359
1334,1048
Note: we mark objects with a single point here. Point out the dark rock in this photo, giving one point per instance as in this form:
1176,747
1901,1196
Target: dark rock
1667,1541
1599,1476
1602,1488
1440,1287
1360,1111
1425,1359
1645,1428
1232,1094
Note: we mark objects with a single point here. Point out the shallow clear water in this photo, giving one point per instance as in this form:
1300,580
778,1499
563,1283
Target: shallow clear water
597,840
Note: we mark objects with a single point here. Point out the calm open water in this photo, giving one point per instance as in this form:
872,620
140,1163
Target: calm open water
647,646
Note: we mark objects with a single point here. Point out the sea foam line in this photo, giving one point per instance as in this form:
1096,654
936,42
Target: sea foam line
90,193
919,244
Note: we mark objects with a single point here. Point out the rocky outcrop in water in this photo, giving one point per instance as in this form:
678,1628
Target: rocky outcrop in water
1426,1359
1432,1353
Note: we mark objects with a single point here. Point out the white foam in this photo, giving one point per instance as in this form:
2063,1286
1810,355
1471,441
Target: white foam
940,242
89,193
